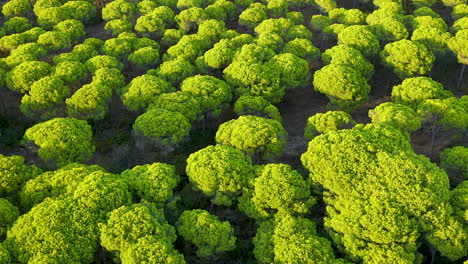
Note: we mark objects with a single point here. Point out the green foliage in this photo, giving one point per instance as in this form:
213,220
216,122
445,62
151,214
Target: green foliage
109,77
54,40
90,101
152,249
343,85
326,122
55,231
101,192
175,71
397,115
168,128
325,5
171,37
459,11
70,71
20,78
348,56
459,44
8,214
212,92
14,173
128,224
389,30
256,106
61,140
455,162
459,24
188,48
365,173
83,11
296,17
185,103
150,25
450,113
118,26
45,98
48,17
4,255
16,8
428,21
320,22
143,90
145,57
260,137
25,52
413,91
425,11
117,47
293,71
190,18
288,239
207,232
212,29
277,189
102,61
302,48
55,184
118,9
277,8
223,52
151,182
16,25
360,38
253,15
72,27
407,58
219,172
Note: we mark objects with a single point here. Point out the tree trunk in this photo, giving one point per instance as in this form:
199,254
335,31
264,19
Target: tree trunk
461,76
434,131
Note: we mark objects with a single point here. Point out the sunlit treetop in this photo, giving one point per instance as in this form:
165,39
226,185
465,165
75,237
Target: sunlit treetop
398,115
325,122
413,91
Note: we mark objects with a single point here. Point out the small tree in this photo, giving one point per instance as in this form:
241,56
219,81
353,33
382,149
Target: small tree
321,123
45,98
293,71
276,189
14,173
70,72
118,9
207,232
83,11
346,55
145,57
91,101
259,137
73,28
162,128
455,162
253,15
214,94
16,25
24,75
219,172
398,115
175,71
256,106
128,224
302,48
61,140
102,61
143,90
360,38
458,46
407,58
16,8
185,103
157,249
344,86
151,182
413,91
190,18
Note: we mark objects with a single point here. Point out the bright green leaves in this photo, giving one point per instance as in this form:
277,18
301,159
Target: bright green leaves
152,182
360,38
61,140
8,214
407,58
413,91
400,116
277,189
14,173
143,90
325,122
455,162
259,137
24,75
288,239
207,232
220,171
344,86
165,127
257,106
128,224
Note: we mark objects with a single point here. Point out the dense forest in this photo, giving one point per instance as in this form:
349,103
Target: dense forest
233,132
